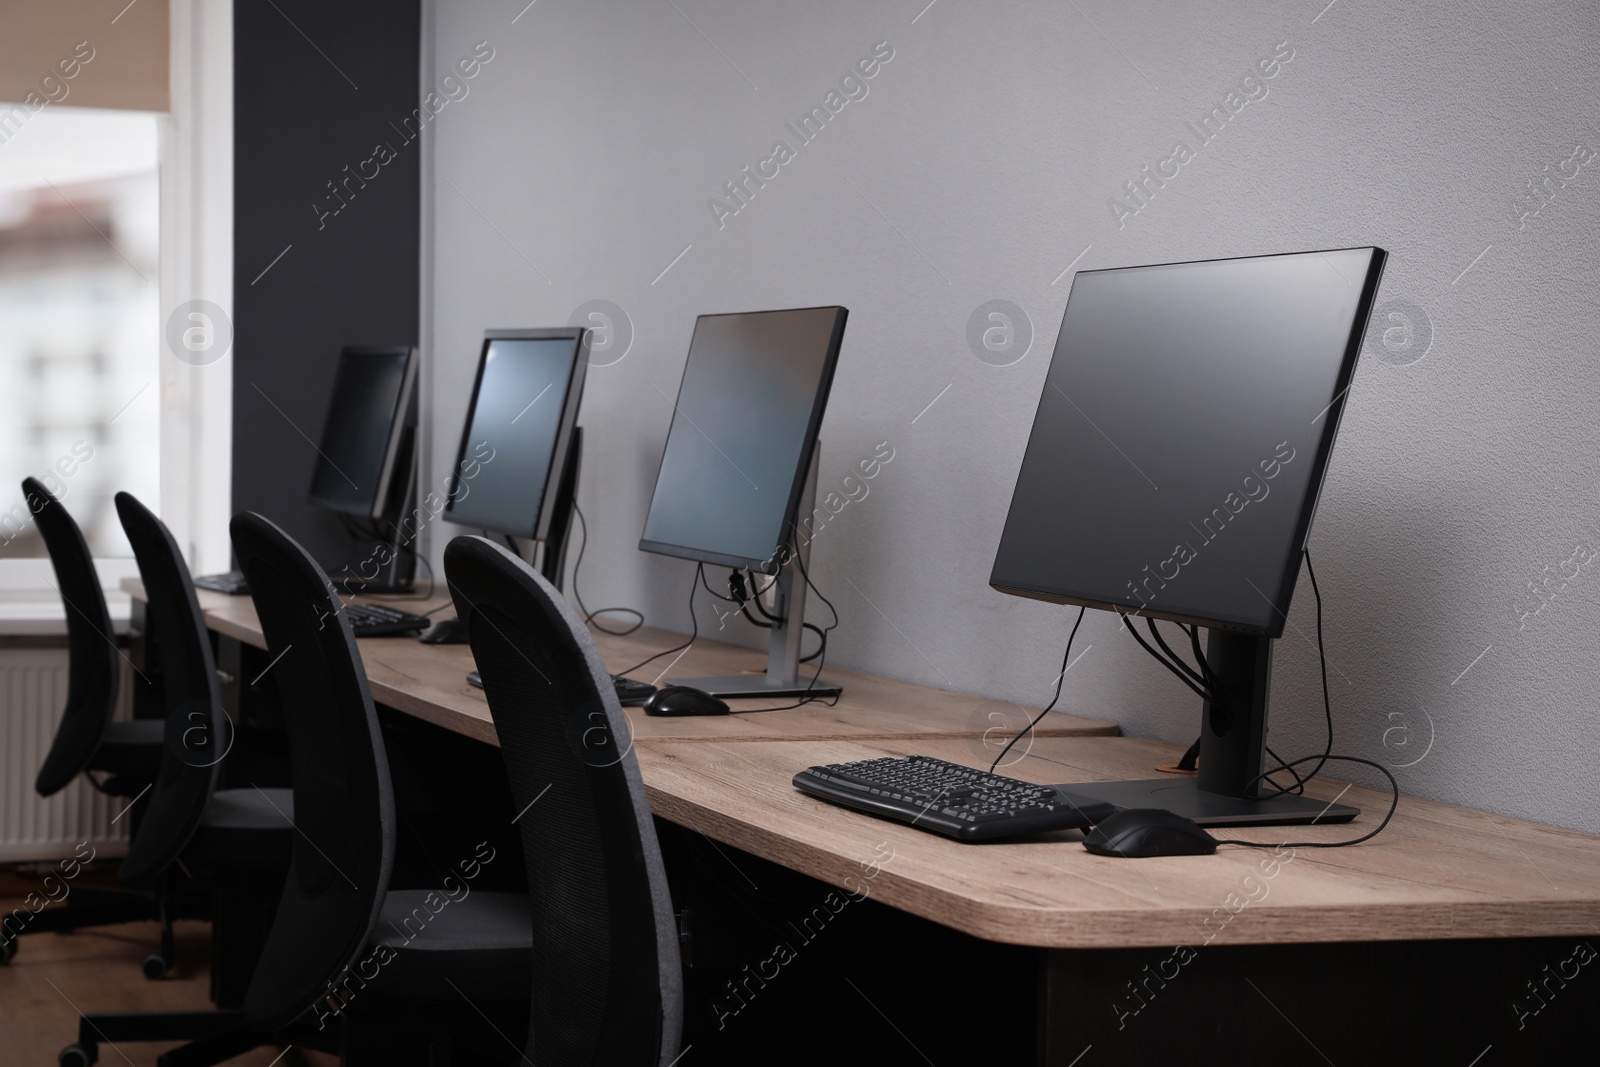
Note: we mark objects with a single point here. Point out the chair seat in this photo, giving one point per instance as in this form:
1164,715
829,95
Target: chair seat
245,828
130,750
250,809
482,943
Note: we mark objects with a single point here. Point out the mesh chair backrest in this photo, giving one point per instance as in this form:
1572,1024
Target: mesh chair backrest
608,981
343,802
197,735
93,669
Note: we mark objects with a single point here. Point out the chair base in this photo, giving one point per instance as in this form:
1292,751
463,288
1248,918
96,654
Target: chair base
97,906
213,1036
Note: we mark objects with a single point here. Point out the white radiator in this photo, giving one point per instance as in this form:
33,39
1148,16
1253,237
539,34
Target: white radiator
33,692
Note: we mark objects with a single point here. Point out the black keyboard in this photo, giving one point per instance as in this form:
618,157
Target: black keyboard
949,799
380,620
628,690
232,583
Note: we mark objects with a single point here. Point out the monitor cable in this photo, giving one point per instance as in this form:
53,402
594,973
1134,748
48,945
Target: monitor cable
1209,688
741,594
1065,656
821,654
588,616
694,623
1326,757
1204,684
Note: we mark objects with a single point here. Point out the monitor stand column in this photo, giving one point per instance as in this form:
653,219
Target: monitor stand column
1232,746
398,550
784,676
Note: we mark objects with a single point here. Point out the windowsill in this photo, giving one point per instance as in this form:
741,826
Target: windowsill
39,612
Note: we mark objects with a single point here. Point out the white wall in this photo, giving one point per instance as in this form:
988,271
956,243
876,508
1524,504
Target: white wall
988,147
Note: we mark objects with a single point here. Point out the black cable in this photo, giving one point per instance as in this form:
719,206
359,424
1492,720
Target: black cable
1322,759
677,648
1394,803
1179,660
741,594
713,592
762,608
588,616
822,636
1201,693
1059,679
821,654
1211,680
1327,704
1299,787
1322,661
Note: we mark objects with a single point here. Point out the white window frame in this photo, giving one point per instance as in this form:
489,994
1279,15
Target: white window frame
196,197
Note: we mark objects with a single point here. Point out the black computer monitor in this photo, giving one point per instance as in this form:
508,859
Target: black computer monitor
1173,469
738,460
520,438
364,458
743,429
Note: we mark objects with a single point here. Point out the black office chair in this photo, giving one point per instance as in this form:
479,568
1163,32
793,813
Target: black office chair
87,740
127,754
234,842
337,886
608,979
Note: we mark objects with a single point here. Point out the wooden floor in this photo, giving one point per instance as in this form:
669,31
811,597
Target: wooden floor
54,976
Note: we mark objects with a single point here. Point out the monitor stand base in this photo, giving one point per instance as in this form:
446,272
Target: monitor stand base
738,686
1182,796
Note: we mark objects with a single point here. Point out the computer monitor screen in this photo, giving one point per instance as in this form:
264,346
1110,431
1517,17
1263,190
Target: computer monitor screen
361,438
518,430
742,432
1179,445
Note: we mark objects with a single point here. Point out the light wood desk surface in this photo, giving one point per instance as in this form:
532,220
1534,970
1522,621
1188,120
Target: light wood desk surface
429,682
1436,872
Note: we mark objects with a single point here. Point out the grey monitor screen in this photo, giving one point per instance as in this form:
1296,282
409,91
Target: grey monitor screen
518,430
371,388
741,437
1179,444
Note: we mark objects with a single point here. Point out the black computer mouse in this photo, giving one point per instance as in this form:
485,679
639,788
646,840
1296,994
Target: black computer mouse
444,632
1137,833
684,700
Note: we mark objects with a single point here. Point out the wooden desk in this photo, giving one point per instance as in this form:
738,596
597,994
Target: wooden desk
1423,945
1420,946
1437,871
429,682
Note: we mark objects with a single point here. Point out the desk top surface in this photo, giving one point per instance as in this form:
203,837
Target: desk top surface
429,682
1437,871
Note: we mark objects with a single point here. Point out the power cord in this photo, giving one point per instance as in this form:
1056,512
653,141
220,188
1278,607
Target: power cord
588,616
699,569
740,594
1059,679
821,654
1209,688
1394,802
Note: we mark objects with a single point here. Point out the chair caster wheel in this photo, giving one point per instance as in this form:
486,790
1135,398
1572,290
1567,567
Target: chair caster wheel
78,1055
8,950
155,966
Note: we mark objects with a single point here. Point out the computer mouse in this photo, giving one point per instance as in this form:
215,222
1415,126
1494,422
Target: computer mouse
684,700
1137,833
444,632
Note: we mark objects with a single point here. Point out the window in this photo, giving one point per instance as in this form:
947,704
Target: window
80,328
